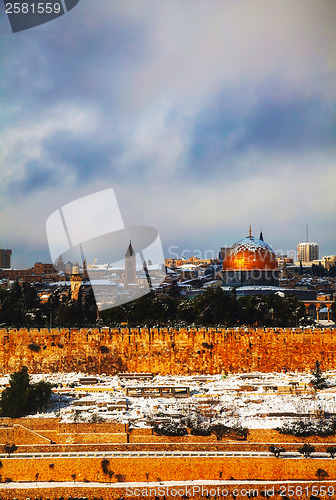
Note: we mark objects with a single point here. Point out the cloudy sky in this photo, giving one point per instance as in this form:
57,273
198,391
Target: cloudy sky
205,117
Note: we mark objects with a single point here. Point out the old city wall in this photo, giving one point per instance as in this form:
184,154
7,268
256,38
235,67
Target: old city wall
166,351
116,436
164,469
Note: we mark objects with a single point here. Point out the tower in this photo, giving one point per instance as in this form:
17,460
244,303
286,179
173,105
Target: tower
130,266
76,282
5,258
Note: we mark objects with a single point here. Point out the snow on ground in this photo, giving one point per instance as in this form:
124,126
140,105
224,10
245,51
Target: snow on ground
256,400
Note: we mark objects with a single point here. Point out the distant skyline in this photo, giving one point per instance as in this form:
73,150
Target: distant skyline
204,117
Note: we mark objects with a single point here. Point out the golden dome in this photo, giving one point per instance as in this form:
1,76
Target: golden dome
250,253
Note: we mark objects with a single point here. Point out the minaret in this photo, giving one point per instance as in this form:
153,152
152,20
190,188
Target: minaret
130,266
76,282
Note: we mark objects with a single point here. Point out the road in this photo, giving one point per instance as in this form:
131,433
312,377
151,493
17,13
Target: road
162,454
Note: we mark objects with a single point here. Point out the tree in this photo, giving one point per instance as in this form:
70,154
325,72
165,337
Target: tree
319,381
238,432
105,465
331,450
276,450
22,397
90,308
321,474
306,450
79,308
220,430
10,448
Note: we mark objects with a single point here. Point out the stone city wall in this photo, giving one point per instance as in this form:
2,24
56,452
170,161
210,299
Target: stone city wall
166,351
173,468
79,437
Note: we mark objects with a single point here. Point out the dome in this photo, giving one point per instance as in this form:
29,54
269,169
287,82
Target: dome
250,253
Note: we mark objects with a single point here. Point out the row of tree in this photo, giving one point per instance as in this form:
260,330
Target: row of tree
20,307
211,308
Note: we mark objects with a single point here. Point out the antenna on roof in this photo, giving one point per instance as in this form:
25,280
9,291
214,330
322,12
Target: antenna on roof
307,233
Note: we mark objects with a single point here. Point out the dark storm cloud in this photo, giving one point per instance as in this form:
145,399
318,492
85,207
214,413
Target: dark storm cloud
84,157
293,125
36,179
87,61
274,125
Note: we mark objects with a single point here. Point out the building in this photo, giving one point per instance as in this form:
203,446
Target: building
250,261
307,252
75,281
40,268
195,261
130,266
5,258
327,261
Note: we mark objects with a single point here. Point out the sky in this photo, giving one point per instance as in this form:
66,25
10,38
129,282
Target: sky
204,117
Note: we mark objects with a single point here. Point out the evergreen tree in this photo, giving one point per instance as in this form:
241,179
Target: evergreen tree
90,308
79,308
22,397
318,380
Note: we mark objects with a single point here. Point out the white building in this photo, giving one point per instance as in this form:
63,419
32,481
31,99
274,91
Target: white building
307,252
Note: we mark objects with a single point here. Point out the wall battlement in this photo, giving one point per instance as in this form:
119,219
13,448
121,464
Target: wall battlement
167,350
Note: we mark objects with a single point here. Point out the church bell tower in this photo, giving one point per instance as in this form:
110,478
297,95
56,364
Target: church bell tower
130,266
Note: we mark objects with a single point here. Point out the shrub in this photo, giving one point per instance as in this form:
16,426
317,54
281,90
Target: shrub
321,474
276,450
331,450
220,430
313,427
201,430
306,450
238,432
9,448
170,428
34,347
105,465
120,478
207,346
